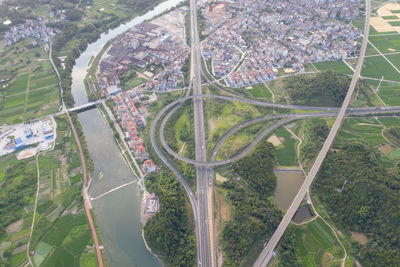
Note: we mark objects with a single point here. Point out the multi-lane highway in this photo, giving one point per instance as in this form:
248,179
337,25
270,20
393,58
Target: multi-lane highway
267,252
205,249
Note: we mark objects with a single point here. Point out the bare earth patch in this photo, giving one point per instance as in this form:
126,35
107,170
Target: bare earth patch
327,259
359,237
220,178
27,153
368,124
386,149
274,140
382,25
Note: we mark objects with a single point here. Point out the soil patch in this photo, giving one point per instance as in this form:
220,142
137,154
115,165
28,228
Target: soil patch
274,140
386,149
327,259
220,178
359,237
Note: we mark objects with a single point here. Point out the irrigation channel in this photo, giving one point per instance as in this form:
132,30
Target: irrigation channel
117,213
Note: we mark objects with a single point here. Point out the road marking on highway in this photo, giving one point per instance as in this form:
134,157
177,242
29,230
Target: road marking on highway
191,64
211,224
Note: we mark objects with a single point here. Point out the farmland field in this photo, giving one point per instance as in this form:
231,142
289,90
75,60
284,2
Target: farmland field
368,130
376,67
394,23
28,68
338,66
395,59
260,91
286,152
386,43
390,93
316,243
19,86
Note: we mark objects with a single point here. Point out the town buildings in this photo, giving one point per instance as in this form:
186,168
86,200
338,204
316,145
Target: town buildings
248,41
156,46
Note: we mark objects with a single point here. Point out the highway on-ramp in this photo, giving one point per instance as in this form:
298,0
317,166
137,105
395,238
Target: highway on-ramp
267,252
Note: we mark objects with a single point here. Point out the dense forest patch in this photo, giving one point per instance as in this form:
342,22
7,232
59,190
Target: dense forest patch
169,232
326,88
362,196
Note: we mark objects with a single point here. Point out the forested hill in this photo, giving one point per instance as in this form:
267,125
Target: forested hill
326,88
169,232
362,196
255,217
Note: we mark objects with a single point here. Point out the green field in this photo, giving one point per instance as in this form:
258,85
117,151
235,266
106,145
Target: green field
390,17
386,43
371,51
286,152
29,69
376,67
260,91
223,115
238,141
41,251
19,86
394,23
316,243
50,80
338,66
88,260
390,93
390,121
368,130
395,59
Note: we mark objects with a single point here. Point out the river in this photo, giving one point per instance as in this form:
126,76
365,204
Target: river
118,213
81,64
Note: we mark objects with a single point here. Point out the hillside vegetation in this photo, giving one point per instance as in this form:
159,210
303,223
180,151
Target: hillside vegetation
327,88
361,196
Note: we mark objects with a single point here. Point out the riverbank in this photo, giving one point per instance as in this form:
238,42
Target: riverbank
109,115
85,193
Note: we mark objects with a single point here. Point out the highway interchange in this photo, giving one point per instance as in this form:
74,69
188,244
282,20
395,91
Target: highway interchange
202,201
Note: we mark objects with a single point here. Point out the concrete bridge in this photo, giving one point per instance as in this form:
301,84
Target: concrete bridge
85,107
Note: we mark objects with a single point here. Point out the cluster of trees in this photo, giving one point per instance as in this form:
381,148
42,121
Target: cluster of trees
395,131
254,216
126,77
170,232
81,136
17,190
184,134
287,249
324,88
362,196
139,4
316,135
258,168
